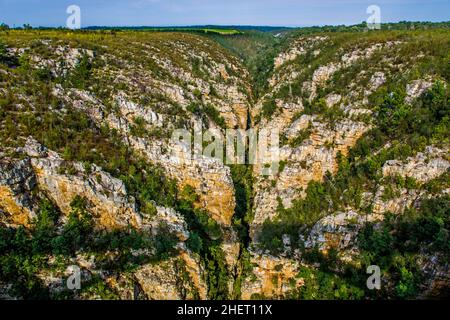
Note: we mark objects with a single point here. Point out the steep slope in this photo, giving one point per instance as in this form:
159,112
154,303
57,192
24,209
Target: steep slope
364,120
110,101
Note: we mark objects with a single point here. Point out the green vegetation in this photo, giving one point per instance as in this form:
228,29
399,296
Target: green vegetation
298,140
69,131
217,273
322,285
268,109
26,253
402,25
28,107
243,183
362,169
205,240
257,50
395,247
207,112
81,74
201,30
223,32
6,58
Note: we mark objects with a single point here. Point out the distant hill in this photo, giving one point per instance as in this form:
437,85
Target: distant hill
194,28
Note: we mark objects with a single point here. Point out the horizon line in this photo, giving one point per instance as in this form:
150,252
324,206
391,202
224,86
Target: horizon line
228,25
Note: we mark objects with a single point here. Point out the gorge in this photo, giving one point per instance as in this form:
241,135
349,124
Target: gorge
89,176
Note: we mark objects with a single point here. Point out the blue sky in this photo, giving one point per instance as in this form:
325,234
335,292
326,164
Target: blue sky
219,12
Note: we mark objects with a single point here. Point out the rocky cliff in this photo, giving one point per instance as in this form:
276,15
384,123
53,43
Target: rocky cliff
90,178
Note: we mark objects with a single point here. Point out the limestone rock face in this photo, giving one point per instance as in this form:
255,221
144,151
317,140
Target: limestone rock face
175,279
423,167
272,277
299,125
338,231
299,47
416,88
111,207
325,72
107,196
317,154
405,199
437,275
218,81
66,58
161,84
332,99
172,219
132,110
377,80
308,162
209,176
17,181
324,139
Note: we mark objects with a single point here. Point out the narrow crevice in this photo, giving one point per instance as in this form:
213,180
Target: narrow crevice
243,183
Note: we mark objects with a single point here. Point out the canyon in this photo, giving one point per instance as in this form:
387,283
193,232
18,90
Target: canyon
86,122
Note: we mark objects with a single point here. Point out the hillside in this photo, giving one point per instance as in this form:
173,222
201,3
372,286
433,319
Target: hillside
87,178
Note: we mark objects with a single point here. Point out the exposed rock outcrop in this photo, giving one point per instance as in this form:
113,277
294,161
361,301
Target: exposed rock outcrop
424,167
175,279
107,197
17,182
111,207
272,277
210,177
338,231
416,88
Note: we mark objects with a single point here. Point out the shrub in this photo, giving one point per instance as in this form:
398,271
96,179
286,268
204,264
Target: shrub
321,285
217,274
189,194
81,74
436,100
300,138
6,57
165,242
214,115
268,109
77,229
43,74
